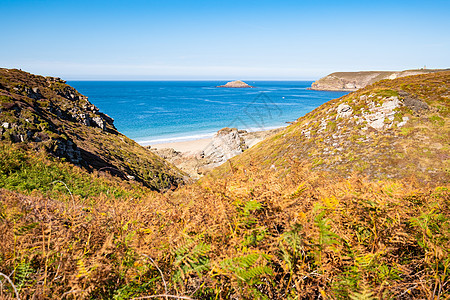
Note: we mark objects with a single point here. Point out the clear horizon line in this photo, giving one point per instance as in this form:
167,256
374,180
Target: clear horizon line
264,79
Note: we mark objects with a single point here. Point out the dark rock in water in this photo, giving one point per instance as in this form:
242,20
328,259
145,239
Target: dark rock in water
236,84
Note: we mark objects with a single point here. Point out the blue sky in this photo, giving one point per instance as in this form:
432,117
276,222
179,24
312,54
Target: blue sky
171,39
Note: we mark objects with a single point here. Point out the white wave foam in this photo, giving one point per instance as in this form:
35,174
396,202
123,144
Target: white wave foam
220,102
199,136
177,139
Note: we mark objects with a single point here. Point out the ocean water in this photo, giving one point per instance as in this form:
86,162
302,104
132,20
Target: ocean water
152,112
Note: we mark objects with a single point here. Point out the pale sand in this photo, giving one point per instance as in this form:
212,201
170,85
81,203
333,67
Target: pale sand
250,138
187,146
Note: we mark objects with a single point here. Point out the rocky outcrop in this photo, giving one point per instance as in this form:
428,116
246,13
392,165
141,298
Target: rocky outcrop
29,104
352,81
47,114
235,84
226,143
379,113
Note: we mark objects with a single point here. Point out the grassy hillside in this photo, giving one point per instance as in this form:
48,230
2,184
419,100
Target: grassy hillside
392,129
45,113
269,224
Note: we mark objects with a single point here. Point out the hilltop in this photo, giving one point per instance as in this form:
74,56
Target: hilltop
352,81
44,113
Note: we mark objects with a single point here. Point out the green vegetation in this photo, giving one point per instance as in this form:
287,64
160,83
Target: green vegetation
437,120
349,213
47,114
385,93
244,235
5,99
28,172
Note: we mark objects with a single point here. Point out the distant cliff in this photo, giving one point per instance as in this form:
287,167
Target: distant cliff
352,81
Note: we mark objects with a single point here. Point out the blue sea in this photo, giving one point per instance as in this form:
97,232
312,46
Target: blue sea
152,112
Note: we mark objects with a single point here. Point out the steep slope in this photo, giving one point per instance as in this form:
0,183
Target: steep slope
45,113
392,129
352,81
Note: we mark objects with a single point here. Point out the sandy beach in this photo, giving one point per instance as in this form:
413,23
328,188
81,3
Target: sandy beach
196,157
251,138
186,146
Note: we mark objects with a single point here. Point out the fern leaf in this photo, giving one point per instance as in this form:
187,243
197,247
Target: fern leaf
364,294
248,260
255,273
81,268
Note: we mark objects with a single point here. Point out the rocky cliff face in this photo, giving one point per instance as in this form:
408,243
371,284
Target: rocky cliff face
226,143
352,81
45,113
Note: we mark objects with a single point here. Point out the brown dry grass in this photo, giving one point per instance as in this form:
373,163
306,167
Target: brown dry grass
251,234
265,226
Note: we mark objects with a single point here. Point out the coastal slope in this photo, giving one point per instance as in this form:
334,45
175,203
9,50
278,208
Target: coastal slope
44,113
352,81
392,129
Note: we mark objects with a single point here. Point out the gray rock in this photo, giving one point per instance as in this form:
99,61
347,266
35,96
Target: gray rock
99,122
84,119
376,119
344,110
226,144
67,149
33,93
415,104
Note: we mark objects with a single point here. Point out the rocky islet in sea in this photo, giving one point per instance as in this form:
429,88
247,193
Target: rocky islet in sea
235,84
